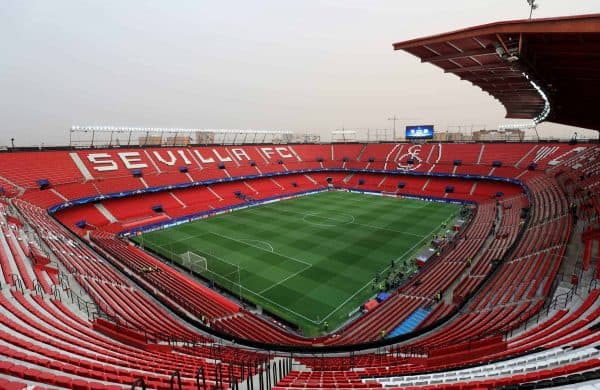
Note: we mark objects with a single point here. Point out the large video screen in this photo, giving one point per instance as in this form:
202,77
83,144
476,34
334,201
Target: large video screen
419,132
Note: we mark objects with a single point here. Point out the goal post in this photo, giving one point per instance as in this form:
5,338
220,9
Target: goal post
224,273
194,262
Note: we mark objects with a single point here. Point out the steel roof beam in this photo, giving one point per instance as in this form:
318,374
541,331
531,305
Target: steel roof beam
459,55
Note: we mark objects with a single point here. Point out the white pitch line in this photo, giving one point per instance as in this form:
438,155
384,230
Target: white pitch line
353,222
226,276
316,214
269,300
409,206
252,240
318,224
189,237
388,229
309,265
371,281
280,306
259,294
346,301
285,279
262,249
284,308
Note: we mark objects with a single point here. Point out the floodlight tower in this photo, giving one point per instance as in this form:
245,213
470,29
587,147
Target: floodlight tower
532,6
394,119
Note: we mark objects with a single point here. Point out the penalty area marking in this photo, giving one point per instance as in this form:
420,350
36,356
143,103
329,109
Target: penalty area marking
259,294
266,243
262,249
284,279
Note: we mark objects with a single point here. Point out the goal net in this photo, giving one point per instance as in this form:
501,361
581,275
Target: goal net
222,272
194,262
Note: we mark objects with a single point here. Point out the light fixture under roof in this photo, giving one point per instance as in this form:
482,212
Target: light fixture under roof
176,130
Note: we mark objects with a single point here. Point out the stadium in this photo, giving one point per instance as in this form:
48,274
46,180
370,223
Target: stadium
168,258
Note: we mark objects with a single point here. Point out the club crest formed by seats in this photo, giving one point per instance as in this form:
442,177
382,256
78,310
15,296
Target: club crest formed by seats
411,160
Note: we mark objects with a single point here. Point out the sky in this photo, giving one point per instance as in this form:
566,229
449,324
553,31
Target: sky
305,65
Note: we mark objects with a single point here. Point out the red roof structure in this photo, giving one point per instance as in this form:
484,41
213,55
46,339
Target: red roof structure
540,69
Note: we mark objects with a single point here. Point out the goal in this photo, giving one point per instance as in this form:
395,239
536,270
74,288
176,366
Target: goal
194,262
222,272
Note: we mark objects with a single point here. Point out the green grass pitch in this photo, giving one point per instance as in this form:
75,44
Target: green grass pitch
308,260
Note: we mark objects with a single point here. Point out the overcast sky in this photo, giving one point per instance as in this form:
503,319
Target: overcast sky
306,65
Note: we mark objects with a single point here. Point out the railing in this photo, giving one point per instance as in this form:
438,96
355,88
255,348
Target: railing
594,284
56,292
37,288
17,283
93,310
267,373
563,299
80,139
175,375
139,382
557,302
200,374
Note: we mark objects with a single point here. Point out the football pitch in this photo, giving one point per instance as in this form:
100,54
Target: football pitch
309,260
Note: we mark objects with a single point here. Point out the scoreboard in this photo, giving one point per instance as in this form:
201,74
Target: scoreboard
419,132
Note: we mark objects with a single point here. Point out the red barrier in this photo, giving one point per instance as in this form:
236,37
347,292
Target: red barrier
125,335
466,351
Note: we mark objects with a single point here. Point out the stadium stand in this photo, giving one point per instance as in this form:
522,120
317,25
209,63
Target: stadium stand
99,279
512,301
522,255
55,166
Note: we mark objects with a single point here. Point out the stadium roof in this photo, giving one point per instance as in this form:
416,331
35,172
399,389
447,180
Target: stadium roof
541,69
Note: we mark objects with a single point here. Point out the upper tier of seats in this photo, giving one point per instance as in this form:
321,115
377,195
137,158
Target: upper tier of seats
80,173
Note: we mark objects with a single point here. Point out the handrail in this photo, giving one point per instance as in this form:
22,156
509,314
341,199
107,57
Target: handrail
175,374
17,282
54,290
37,287
200,371
140,382
219,375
